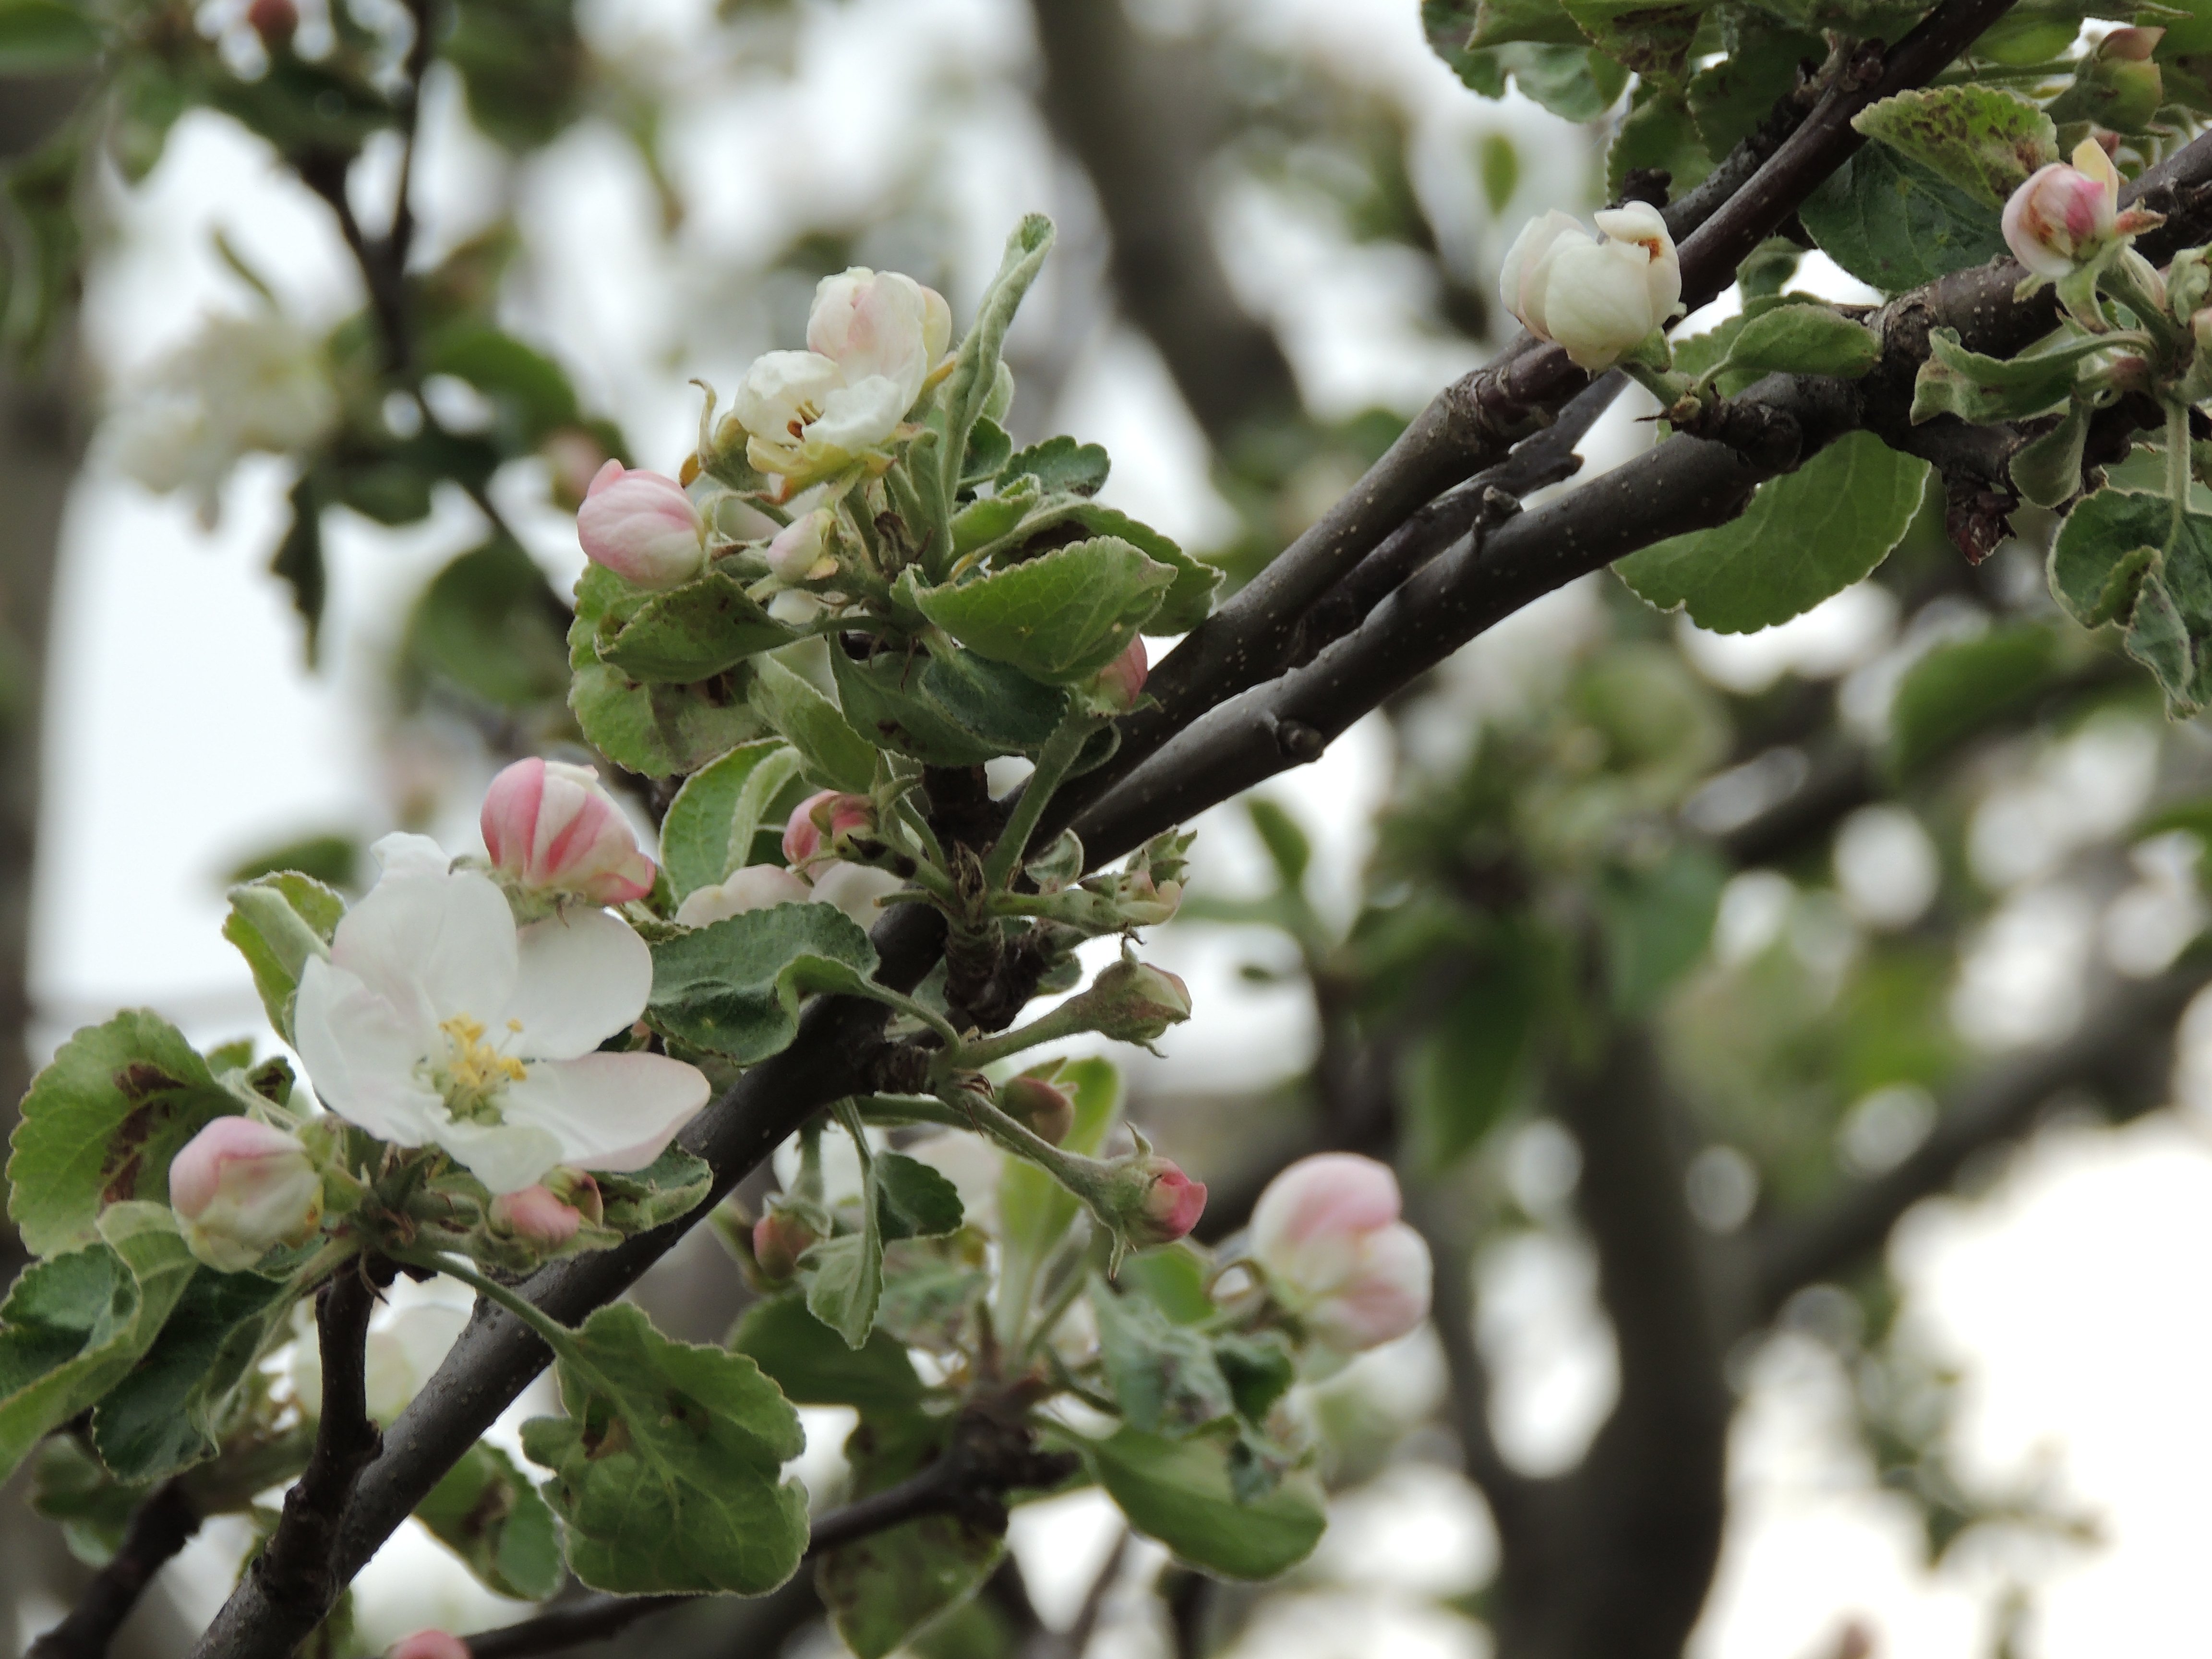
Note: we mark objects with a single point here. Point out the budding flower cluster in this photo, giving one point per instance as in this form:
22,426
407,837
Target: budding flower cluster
1327,1234
554,828
1597,297
241,1189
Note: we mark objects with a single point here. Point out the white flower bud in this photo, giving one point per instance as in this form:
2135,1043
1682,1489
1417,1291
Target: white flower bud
1597,297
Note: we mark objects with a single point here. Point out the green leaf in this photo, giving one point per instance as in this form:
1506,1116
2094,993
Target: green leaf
41,37
2120,557
1260,1369
530,392
1575,82
73,1327
1188,597
1647,40
1658,133
813,1366
2047,469
298,562
1164,1376
934,1289
672,1186
1805,535
989,449
489,627
1804,339
968,389
485,1510
1000,706
1501,22
1980,389
101,1124
884,698
913,1200
844,1279
71,1486
1656,924
523,65
278,922
1034,1210
1285,842
1730,100
1985,141
833,754
734,988
706,834
1895,224
1960,688
665,1468
1059,618
170,1412
883,1589
1473,1065
1059,463
693,633
653,729
1179,1492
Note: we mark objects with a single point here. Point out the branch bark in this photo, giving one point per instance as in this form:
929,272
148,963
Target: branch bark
163,1525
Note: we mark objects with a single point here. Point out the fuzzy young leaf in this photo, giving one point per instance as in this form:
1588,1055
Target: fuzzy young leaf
913,1200
486,1512
1806,535
833,755
1001,708
1985,141
883,1589
884,697
666,1466
1956,381
1180,1491
1059,464
1059,618
672,1186
813,1366
734,988
693,633
2119,558
278,921
844,1279
168,1414
974,378
73,1327
101,1123
1804,339
653,729
1164,1376
701,832
1895,224
2047,470
1034,1210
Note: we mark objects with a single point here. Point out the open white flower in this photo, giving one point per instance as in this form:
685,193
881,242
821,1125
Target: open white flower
437,1020
804,420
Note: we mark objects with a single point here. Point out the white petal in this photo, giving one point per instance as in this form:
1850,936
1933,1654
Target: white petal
433,945
506,1157
403,854
608,1111
580,978
360,1055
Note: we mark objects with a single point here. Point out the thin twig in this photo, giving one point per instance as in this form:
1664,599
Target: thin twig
161,1526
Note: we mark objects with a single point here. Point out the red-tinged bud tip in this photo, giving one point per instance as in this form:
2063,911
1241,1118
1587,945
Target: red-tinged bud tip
820,822
537,1216
780,1238
1044,1108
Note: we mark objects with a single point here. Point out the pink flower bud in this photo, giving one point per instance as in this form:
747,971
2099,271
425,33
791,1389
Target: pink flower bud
554,828
1152,1201
2064,217
2128,45
780,1238
756,887
828,815
241,1189
1122,682
428,1645
1044,1108
1327,1233
871,323
642,526
801,551
1132,1002
534,1215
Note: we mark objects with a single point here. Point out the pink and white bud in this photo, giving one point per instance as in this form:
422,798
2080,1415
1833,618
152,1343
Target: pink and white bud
2064,216
535,1216
241,1189
801,550
756,887
1151,1201
780,1238
1327,1232
428,1645
642,526
554,828
820,822
1039,1105
1122,682
1597,297
880,323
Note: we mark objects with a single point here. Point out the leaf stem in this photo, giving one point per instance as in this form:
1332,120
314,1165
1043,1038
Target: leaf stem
1061,750
2177,461
556,1336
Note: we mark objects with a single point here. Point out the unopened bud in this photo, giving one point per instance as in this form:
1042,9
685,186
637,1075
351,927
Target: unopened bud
642,526
2064,216
241,1189
535,1216
1327,1231
1151,1200
1122,682
820,822
1131,1001
801,550
780,1238
756,887
1044,1108
554,828
1597,297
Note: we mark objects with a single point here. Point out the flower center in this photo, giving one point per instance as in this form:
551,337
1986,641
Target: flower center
475,1074
804,415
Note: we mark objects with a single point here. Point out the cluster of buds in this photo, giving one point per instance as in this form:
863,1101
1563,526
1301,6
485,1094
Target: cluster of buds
1327,1237
241,1189
1600,297
553,831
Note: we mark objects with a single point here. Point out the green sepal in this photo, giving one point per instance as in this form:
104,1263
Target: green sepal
278,922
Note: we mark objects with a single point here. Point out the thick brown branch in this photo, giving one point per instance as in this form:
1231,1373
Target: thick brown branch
162,1525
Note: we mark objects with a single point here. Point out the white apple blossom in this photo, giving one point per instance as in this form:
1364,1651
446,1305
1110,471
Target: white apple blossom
435,1019
1596,296
805,421
870,322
